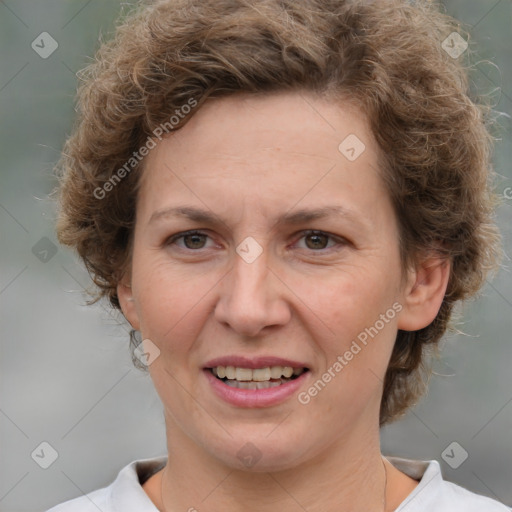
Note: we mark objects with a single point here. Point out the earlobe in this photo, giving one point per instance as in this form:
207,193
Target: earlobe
128,306
424,293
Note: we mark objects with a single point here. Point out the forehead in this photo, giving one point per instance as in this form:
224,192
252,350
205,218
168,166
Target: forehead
269,151
246,124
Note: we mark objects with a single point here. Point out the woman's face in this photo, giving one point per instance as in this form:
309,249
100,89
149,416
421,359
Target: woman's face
264,286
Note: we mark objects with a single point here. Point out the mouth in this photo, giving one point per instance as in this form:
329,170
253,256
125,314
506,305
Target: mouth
256,378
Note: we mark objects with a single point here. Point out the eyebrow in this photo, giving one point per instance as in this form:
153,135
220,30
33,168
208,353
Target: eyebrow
297,217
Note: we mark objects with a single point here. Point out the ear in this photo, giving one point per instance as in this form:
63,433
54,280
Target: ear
127,302
424,293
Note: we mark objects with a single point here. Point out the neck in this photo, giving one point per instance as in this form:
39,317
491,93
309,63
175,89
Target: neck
349,474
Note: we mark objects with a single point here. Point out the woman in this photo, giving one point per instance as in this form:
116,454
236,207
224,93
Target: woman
285,199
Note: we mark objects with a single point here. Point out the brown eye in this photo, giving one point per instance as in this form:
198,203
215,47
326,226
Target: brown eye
317,240
192,240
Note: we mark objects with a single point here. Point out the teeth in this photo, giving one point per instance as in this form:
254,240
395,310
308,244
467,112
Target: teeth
259,375
287,371
243,374
230,372
254,385
276,372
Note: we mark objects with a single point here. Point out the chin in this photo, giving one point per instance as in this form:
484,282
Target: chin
261,452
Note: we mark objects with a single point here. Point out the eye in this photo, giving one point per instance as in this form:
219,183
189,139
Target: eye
318,240
313,240
192,240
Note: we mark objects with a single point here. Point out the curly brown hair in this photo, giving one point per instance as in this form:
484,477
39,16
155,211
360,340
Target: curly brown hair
387,56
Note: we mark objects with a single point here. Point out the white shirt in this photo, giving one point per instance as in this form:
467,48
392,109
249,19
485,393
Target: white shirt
433,493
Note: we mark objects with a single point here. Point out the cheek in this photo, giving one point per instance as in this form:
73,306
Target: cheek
172,303
347,302
352,328
357,346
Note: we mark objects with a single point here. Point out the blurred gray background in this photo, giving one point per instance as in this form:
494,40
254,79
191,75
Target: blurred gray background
66,374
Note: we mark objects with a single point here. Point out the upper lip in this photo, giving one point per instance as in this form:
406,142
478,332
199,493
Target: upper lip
253,362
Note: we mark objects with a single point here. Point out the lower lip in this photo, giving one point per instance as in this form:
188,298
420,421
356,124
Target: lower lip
254,397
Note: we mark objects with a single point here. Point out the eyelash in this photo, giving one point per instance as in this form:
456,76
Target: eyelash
341,242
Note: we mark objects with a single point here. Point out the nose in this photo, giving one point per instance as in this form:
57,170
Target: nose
252,298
